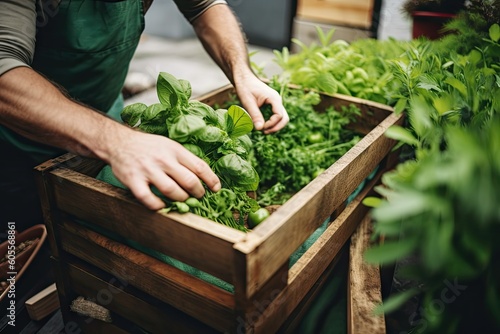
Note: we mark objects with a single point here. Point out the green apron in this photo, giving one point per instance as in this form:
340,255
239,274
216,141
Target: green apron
86,48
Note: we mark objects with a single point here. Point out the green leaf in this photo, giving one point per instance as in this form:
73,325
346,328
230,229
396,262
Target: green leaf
186,89
475,57
132,114
399,133
428,82
246,143
210,134
236,172
195,149
185,127
400,105
154,111
389,252
495,32
372,202
447,64
403,205
326,83
325,39
458,85
172,92
395,302
420,115
241,120
443,103
200,109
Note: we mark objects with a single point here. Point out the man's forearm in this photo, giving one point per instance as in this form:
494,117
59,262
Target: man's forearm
221,35
33,107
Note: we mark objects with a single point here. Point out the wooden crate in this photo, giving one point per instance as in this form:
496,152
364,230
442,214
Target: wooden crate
142,291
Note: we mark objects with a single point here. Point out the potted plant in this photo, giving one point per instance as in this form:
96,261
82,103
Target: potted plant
429,16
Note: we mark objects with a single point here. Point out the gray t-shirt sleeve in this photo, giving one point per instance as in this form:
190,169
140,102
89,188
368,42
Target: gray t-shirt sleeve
17,33
192,9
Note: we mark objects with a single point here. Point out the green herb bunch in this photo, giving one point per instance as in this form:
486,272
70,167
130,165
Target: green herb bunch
219,137
312,141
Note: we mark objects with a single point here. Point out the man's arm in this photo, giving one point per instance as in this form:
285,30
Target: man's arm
36,109
221,35
33,107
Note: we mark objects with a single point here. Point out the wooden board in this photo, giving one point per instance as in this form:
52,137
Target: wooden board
43,303
355,13
364,290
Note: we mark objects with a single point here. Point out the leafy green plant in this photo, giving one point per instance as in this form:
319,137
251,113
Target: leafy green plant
219,137
444,210
359,69
442,206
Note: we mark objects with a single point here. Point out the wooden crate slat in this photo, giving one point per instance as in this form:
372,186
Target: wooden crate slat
189,238
217,97
87,166
372,113
308,269
271,243
171,285
364,287
149,317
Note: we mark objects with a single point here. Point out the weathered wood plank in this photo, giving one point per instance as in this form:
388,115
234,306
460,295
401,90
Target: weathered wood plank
193,296
139,310
43,303
192,239
309,268
364,292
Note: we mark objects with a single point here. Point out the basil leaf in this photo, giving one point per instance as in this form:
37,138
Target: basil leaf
236,172
154,111
172,93
186,89
200,109
210,134
184,127
195,149
131,114
246,143
241,121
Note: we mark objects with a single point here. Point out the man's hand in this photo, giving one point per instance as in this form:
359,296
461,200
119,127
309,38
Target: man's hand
221,35
143,159
253,93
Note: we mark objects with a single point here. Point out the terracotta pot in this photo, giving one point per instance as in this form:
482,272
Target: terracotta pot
430,24
24,257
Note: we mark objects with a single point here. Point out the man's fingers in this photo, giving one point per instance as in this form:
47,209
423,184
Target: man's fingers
257,118
272,121
143,193
168,187
196,169
277,121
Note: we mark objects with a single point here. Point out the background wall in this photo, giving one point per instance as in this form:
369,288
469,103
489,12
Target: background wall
392,22
267,23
